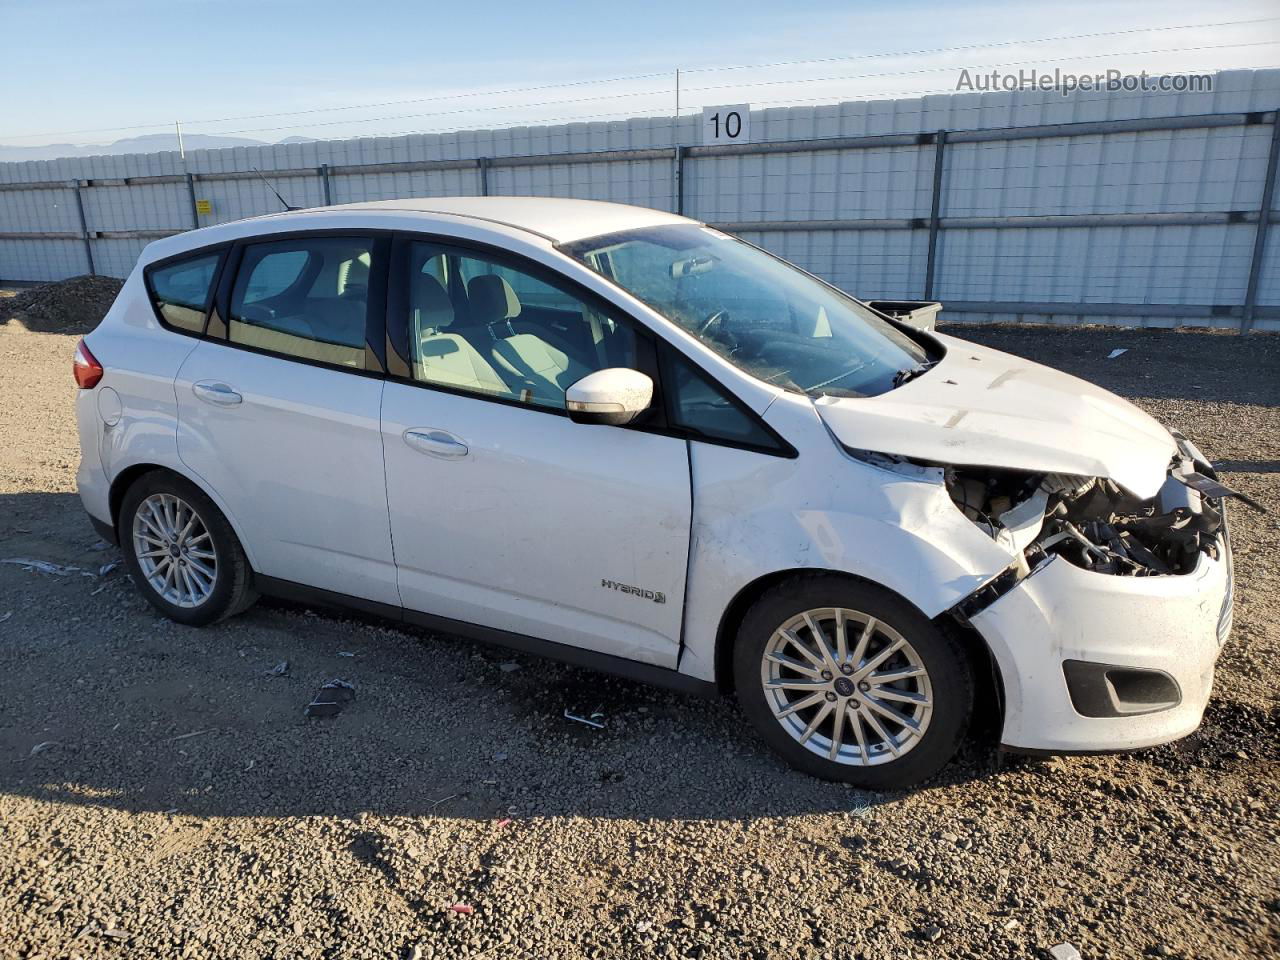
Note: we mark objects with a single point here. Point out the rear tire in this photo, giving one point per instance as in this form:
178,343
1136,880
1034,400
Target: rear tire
181,552
827,708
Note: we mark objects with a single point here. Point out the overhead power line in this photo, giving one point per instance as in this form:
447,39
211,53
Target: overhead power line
987,66
795,81
441,113
987,46
690,110
645,76
358,106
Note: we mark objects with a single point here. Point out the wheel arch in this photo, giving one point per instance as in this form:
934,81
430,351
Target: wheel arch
989,688
131,474
125,479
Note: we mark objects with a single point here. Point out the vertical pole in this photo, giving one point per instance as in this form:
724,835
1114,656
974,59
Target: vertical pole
324,183
84,230
678,173
177,125
482,165
935,211
191,195
1264,220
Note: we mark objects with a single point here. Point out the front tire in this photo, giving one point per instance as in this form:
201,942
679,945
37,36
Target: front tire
849,682
181,552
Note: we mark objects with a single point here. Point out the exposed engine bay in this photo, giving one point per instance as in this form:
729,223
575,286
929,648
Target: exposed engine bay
1092,522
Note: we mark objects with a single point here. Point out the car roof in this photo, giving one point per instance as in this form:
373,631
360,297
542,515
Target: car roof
558,219
552,219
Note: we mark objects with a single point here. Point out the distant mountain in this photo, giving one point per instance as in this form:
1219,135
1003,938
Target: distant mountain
148,143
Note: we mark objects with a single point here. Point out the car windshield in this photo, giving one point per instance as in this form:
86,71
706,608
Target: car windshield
761,314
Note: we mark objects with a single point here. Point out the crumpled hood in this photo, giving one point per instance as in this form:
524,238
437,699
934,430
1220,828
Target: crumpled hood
981,407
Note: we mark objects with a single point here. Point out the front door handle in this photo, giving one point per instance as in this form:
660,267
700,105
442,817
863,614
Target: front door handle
436,443
213,391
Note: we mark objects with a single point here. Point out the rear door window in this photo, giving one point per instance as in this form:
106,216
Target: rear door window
306,298
181,291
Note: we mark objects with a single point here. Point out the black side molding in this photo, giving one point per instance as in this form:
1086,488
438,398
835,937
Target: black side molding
590,659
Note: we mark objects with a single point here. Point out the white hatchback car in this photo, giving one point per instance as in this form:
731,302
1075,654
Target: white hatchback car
625,439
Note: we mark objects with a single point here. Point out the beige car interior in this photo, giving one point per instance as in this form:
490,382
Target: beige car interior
522,357
486,354
444,357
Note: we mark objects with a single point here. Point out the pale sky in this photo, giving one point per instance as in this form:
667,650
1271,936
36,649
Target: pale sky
85,71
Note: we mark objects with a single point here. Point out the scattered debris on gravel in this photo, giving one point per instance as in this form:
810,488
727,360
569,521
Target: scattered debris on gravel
330,698
76,305
163,795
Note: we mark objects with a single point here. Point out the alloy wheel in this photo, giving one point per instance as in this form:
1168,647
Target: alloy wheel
846,686
174,550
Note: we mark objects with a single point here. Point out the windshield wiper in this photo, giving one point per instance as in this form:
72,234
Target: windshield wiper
839,376
910,373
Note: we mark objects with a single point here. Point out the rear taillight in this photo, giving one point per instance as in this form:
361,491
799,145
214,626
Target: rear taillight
87,369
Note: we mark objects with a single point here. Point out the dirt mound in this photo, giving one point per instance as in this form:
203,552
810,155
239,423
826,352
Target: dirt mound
75,305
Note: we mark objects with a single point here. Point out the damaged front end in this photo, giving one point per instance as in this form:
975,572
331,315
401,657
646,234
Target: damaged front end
1094,523
1105,628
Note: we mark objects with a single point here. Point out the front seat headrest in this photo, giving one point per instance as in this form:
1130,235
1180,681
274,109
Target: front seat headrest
430,303
353,275
492,299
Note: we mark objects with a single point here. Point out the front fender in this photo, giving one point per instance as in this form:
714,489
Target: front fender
755,515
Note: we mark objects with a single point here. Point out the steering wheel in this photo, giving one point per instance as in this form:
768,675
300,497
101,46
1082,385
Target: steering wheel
716,318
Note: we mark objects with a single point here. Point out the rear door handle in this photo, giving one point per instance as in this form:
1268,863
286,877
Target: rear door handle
436,443
213,391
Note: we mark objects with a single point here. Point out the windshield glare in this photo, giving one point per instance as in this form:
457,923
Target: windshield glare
758,312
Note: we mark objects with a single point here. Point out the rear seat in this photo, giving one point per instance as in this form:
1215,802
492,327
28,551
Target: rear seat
332,319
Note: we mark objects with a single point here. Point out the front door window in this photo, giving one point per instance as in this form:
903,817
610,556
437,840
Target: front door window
479,325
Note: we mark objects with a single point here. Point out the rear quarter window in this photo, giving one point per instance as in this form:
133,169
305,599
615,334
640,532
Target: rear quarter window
181,291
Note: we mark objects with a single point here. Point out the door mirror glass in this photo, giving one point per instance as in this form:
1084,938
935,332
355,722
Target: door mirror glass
613,396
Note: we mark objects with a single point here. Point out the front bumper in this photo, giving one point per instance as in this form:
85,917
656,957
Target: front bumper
1170,625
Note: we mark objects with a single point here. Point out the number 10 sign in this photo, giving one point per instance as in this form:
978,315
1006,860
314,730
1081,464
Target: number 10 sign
731,124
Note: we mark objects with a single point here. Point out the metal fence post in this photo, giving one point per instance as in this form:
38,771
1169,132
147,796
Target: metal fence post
482,167
1264,220
84,231
935,211
678,174
324,184
191,195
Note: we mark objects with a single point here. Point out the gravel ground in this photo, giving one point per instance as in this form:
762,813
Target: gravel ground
161,794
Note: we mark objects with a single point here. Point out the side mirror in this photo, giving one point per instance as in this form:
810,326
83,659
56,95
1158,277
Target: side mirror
614,396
